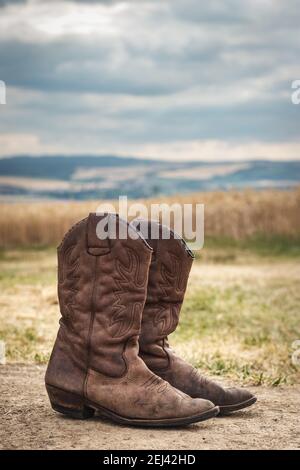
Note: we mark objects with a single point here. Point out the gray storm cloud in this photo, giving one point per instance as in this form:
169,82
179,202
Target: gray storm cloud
81,75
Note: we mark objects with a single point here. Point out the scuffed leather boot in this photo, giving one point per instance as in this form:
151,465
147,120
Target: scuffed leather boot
95,365
168,276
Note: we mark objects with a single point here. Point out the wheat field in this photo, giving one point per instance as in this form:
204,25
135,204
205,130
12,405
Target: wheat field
233,215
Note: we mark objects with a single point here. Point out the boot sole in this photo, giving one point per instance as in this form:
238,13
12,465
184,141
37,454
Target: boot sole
227,409
77,407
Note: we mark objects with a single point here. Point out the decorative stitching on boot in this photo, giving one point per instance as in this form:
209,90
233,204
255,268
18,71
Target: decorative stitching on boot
68,282
122,321
157,384
172,275
166,318
133,268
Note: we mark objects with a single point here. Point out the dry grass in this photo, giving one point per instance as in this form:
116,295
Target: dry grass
239,318
234,215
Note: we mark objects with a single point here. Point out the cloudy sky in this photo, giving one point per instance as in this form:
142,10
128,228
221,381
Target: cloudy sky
178,79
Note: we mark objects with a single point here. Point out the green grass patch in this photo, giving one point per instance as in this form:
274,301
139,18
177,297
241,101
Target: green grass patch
243,331
228,249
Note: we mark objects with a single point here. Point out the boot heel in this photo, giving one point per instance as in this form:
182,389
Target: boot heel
68,404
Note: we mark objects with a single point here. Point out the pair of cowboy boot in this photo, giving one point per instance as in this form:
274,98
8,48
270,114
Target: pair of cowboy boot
106,294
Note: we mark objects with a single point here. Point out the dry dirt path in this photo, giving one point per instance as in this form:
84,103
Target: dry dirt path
27,422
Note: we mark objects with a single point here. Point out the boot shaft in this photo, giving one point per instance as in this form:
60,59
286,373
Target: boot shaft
102,289
168,276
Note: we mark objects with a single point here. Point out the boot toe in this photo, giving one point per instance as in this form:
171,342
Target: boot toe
200,407
240,395
205,405
236,399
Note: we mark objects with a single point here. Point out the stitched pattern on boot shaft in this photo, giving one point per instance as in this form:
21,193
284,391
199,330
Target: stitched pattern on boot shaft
166,314
166,317
131,271
126,316
68,280
172,275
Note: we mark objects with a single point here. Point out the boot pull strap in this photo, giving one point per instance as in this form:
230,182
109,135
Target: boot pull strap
96,246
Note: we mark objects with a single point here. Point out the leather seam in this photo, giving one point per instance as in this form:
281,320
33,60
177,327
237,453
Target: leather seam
91,325
69,232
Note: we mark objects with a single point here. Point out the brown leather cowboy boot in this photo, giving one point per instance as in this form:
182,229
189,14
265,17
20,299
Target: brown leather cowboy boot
168,276
95,365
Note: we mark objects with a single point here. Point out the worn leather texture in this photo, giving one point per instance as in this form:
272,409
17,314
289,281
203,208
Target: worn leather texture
141,394
102,288
168,277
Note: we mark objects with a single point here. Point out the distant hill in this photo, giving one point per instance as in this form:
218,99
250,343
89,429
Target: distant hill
87,177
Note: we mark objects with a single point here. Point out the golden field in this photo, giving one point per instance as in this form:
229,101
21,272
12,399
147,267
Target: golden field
232,215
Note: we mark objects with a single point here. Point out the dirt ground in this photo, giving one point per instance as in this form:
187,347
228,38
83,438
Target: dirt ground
28,422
